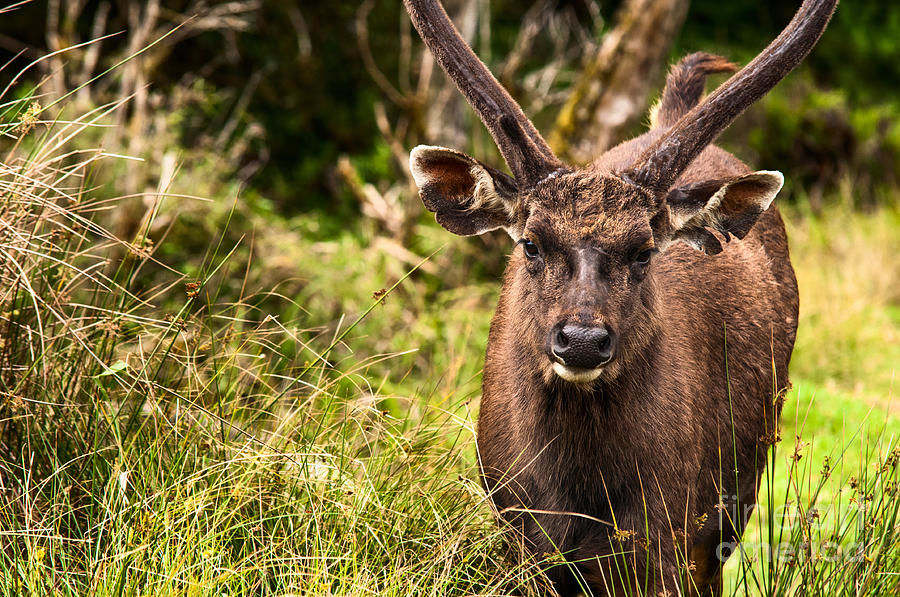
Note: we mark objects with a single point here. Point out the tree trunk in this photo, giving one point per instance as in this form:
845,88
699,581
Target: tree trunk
611,93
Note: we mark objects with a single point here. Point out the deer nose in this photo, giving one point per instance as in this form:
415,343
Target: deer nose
581,346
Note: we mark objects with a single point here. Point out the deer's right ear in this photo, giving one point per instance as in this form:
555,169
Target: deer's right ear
466,196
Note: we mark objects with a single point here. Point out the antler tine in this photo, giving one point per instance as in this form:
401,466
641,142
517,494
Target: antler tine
525,151
664,161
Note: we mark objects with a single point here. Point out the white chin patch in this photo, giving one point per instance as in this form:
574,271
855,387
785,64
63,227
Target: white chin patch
577,375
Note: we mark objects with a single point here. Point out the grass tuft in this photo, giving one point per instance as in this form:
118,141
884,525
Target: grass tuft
171,425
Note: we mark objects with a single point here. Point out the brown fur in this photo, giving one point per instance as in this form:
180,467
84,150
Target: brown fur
642,478
639,448
685,85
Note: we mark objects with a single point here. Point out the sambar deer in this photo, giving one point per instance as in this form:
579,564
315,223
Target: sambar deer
638,354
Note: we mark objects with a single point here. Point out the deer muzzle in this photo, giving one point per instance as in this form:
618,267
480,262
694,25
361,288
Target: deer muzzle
579,352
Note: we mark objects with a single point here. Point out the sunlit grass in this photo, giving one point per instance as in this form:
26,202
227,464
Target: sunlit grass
839,424
207,434
849,275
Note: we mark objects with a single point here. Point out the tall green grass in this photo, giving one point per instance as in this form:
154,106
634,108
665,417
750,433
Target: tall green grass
156,440
171,426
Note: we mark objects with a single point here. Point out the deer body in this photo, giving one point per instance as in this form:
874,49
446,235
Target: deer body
642,452
642,338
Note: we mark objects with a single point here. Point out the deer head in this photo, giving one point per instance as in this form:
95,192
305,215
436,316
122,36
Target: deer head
581,276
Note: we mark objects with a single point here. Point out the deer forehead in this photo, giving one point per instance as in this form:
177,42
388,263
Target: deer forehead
586,207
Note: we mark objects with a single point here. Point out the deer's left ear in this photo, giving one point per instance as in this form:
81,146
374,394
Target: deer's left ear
730,207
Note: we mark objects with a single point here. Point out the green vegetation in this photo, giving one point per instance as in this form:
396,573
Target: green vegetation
308,98
227,432
237,359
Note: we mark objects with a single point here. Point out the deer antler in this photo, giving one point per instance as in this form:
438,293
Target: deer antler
664,161
525,151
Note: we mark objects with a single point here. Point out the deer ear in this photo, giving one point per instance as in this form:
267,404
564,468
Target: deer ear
466,196
729,207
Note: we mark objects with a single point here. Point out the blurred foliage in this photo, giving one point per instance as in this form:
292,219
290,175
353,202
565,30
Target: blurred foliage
314,96
833,123
858,52
827,141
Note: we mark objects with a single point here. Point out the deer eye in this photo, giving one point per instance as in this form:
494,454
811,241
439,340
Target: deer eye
643,258
531,249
